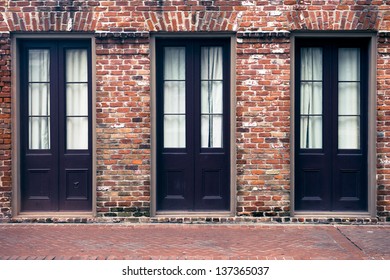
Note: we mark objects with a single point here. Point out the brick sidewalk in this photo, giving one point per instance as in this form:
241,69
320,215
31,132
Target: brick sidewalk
162,241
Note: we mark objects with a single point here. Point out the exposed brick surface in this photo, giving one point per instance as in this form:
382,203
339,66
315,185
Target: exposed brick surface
5,126
263,61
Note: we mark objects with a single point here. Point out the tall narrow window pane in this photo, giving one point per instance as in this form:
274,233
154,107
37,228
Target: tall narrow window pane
211,97
174,97
39,99
349,98
77,99
311,98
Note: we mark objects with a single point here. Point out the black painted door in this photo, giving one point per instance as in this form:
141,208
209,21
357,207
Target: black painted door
55,126
331,125
193,129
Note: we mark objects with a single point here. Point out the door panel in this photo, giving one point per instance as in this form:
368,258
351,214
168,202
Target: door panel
55,125
212,182
331,125
193,127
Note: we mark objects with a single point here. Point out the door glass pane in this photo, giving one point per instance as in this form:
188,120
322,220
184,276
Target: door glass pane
211,131
174,131
39,99
77,99
349,64
311,98
311,64
39,65
76,65
311,132
77,132
174,97
39,136
174,63
349,136
211,63
349,98
211,97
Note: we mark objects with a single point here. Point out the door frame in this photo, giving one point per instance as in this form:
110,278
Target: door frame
153,108
16,119
371,121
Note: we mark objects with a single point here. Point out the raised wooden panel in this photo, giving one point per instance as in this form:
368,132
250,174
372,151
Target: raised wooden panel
312,183
77,184
38,184
174,184
349,184
211,183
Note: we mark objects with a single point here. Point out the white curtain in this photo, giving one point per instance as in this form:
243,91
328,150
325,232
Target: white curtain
311,98
349,98
211,97
77,99
174,97
39,99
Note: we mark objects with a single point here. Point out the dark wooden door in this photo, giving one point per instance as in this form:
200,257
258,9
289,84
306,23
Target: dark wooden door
193,129
55,126
331,125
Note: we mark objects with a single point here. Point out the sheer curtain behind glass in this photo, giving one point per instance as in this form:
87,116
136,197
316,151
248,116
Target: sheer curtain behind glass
311,98
76,99
39,99
349,99
211,97
174,98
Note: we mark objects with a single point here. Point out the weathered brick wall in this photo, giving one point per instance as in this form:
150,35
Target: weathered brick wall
263,106
262,87
123,127
383,134
5,126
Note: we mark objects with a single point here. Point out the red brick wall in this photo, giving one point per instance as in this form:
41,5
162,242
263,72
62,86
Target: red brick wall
5,126
383,134
262,88
123,127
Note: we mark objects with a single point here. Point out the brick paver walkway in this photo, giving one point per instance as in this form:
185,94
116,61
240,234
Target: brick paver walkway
164,241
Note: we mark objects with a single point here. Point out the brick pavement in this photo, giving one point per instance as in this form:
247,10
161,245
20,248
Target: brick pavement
181,241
